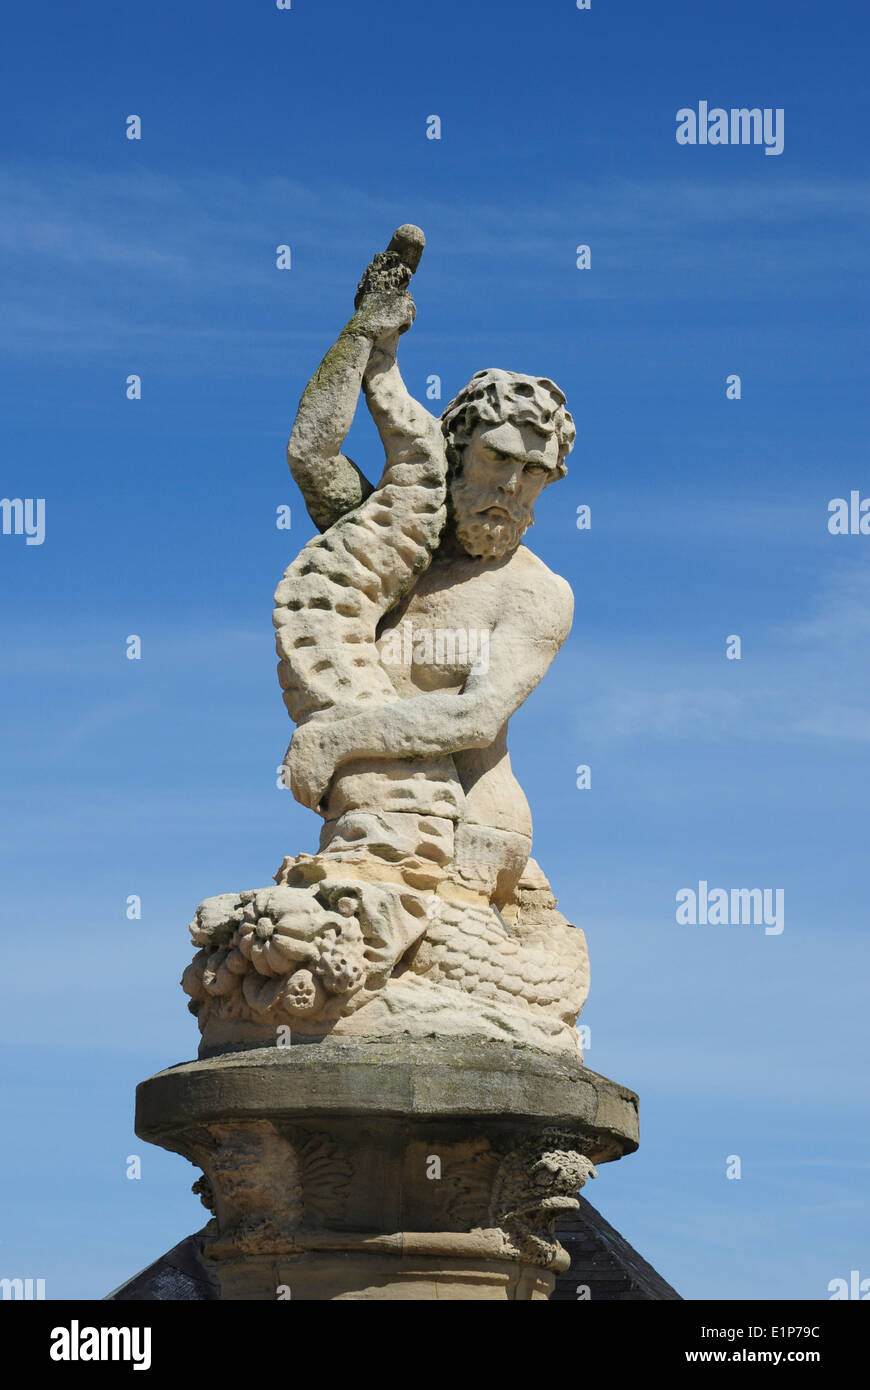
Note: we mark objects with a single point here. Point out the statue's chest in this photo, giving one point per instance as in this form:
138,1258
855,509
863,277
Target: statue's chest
440,634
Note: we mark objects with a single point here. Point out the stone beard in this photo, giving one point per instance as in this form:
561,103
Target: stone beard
481,535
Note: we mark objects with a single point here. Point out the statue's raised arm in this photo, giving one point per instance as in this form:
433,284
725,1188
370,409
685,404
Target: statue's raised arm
363,354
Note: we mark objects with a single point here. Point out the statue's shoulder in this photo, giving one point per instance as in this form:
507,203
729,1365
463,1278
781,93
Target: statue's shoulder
532,566
550,594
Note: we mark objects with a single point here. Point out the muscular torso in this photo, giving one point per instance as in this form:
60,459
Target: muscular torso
459,602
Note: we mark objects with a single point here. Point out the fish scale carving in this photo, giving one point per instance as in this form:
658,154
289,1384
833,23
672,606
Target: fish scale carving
547,970
334,594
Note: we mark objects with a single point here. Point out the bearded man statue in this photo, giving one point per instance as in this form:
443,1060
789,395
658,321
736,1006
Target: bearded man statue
408,631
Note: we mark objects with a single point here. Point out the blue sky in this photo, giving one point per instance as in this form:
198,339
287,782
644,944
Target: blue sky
709,518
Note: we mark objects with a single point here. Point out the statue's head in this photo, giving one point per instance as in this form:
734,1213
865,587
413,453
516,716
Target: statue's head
507,436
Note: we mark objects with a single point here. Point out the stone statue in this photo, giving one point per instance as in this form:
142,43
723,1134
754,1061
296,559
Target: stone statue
408,632
389,1100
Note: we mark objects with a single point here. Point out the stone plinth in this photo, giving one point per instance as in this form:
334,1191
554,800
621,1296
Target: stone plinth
400,1169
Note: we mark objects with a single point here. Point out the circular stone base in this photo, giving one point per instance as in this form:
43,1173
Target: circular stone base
392,1169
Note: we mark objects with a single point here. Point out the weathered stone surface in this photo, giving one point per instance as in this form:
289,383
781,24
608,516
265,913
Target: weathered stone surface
408,634
390,1101
604,1268
389,1169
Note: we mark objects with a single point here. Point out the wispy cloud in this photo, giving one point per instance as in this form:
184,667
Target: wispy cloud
807,679
95,255
840,611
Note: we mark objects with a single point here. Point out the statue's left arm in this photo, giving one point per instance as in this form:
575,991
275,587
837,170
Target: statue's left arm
363,354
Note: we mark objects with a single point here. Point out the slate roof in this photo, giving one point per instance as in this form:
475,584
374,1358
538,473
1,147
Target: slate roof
603,1261
181,1275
